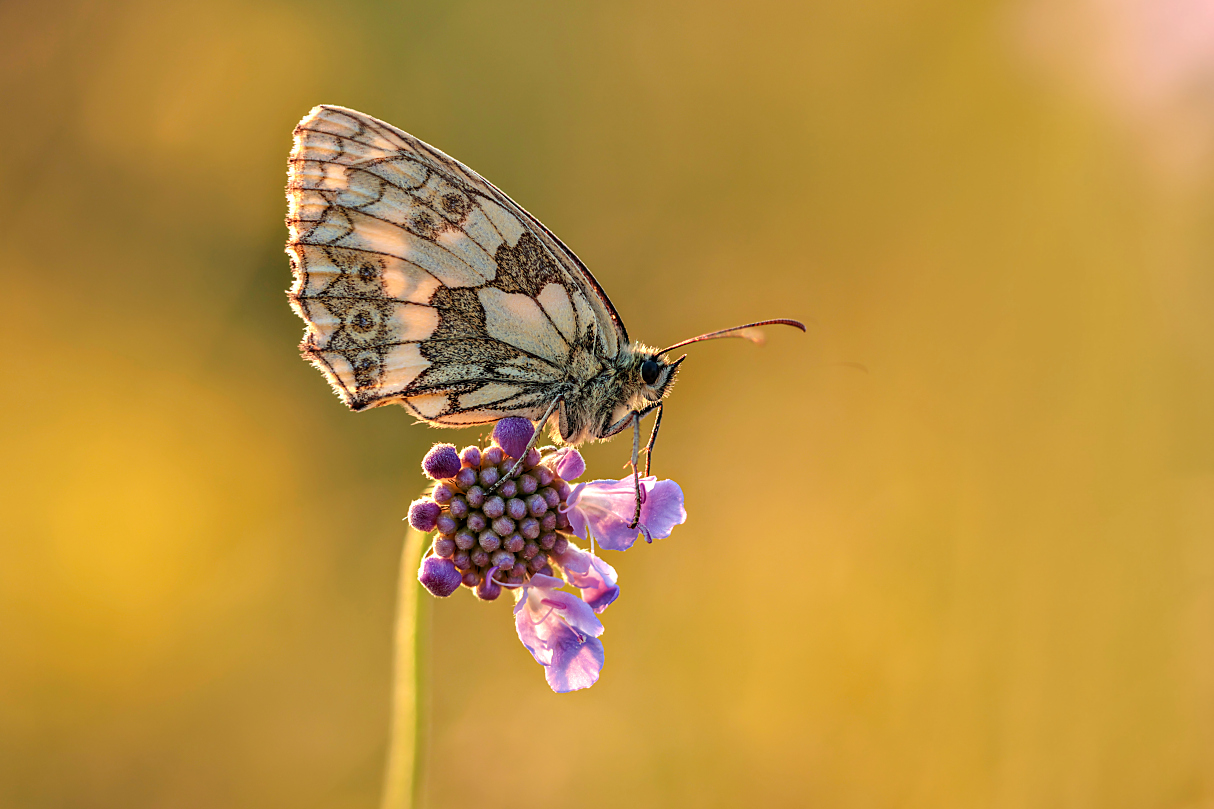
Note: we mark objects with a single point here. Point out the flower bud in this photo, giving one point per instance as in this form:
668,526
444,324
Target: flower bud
489,541
548,522
460,560
470,456
459,507
442,493
529,528
488,589
527,484
446,524
513,435
560,546
492,457
516,509
514,543
508,489
562,521
563,489
465,540
550,497
546,570
548,541
439,576
536,505
543,475
502,559
441,462
518,572
534,564
423,514
471,578
490,476
503,526
494,507
476,496
479,557
530,551
444,546
477,522
465,478
532,460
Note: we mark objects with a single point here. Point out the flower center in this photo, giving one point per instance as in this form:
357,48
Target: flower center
517,528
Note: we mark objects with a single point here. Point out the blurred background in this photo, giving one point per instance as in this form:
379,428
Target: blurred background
979,575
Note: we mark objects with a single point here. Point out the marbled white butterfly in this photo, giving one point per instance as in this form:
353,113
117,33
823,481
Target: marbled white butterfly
422,284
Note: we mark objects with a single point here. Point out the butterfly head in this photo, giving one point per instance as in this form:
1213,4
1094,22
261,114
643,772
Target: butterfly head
656,374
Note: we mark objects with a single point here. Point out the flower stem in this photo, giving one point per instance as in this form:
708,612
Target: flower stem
402,778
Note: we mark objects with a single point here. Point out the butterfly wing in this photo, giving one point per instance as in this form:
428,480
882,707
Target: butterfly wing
423,284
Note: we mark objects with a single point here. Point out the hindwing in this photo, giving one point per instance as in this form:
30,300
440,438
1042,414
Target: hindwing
423,284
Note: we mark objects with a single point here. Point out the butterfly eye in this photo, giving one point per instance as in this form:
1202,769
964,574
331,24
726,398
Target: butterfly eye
650,371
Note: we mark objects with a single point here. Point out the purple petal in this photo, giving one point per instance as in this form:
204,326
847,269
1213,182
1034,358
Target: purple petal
544,583
546,617
663,507
568,463
594,577
604,509
576,662
528,633
573,611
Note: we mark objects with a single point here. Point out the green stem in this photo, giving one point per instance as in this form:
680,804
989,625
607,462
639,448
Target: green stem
402,779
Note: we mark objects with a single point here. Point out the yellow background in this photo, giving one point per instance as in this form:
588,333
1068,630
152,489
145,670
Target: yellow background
979,575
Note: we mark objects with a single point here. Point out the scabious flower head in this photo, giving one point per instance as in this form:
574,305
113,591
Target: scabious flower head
501,524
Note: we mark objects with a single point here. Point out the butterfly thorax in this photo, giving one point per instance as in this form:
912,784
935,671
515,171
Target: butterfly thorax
596,408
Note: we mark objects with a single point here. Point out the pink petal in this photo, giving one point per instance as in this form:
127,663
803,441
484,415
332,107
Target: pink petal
576,662
594,577
568,463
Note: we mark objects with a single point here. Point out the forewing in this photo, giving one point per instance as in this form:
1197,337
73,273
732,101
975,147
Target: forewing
421,283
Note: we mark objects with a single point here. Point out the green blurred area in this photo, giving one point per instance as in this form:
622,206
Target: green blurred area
981,574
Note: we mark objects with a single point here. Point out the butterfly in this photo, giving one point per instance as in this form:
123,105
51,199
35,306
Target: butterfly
422,284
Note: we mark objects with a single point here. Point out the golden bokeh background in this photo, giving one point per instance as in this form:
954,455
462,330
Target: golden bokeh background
980,574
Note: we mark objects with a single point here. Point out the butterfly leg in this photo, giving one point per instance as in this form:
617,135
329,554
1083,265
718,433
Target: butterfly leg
518,464
634,419
636,475
653,438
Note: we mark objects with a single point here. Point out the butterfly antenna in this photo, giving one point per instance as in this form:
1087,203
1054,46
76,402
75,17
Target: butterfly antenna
737,331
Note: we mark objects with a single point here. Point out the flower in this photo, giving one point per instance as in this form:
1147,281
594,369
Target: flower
501,527
561,631
603,509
